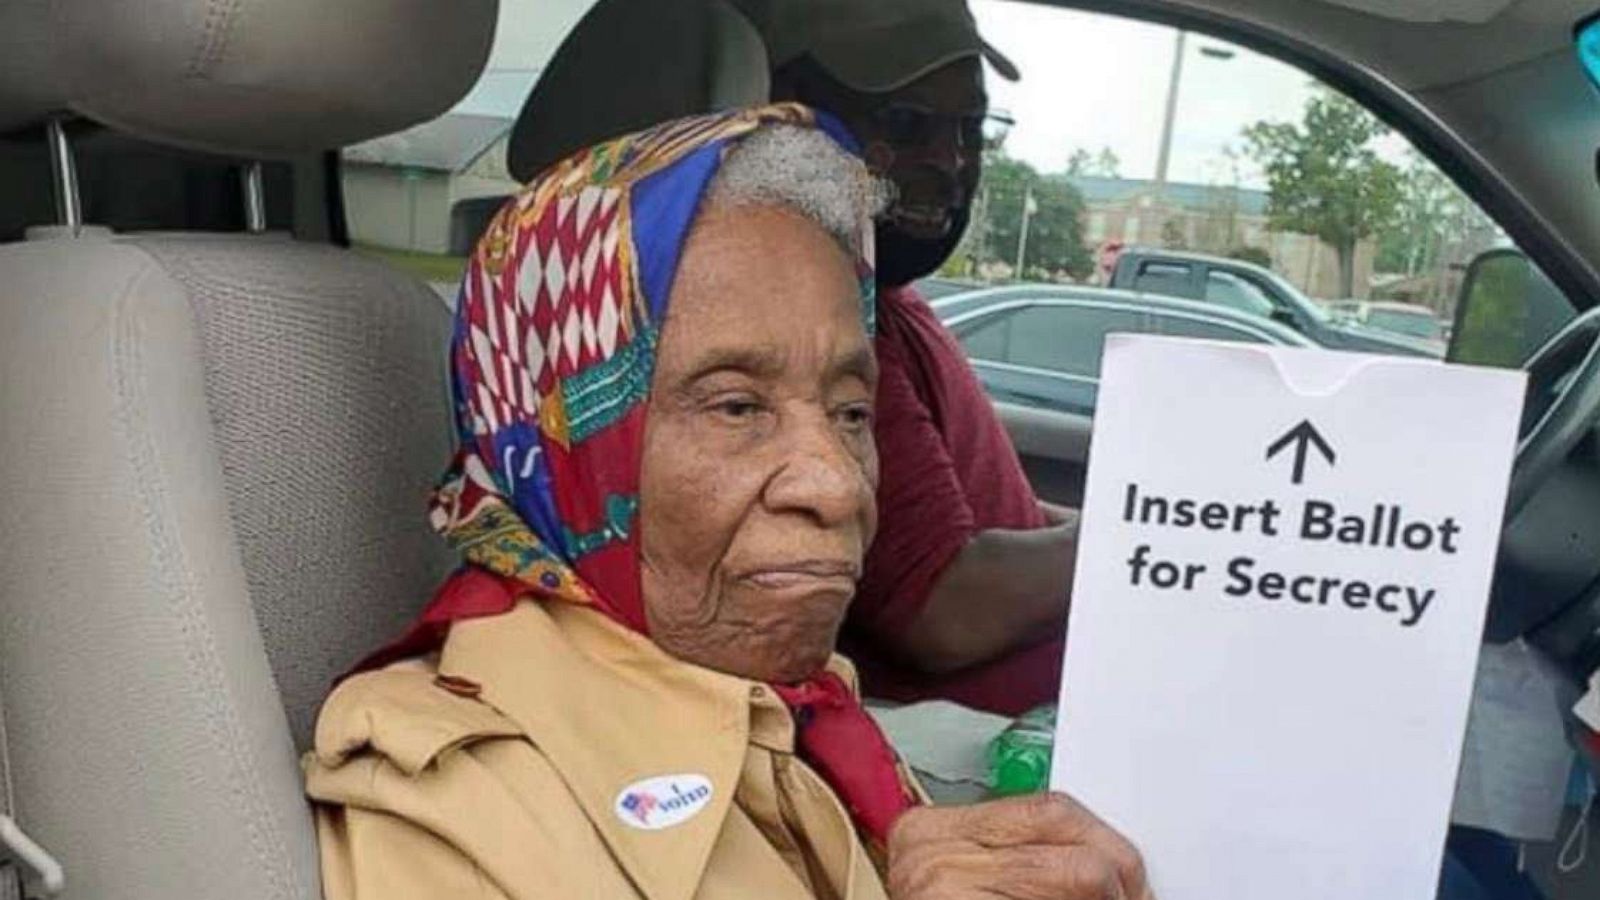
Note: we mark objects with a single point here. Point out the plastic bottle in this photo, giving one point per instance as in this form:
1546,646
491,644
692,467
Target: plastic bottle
1019,757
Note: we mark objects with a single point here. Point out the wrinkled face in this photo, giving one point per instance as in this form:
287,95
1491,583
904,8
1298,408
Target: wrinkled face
759,469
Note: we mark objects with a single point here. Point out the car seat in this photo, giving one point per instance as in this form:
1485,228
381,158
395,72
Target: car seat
215,448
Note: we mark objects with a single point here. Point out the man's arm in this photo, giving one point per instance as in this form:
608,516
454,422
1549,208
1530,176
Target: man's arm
1004,590
940,593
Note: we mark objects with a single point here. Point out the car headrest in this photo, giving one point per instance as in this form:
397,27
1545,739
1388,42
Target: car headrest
267,78
31,77
630,64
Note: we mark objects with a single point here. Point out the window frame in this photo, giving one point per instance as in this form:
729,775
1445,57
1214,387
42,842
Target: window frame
1451,152
1273,305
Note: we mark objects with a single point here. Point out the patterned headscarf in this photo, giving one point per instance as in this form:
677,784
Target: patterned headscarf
554,347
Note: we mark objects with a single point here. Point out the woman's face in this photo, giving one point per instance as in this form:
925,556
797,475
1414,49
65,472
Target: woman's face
759,467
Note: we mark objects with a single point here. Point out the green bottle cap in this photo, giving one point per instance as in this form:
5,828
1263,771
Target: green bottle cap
1024,770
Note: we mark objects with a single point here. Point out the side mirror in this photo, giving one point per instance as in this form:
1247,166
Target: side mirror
1285,317
1506,310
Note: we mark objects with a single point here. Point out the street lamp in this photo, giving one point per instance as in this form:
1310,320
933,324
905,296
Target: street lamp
1164,156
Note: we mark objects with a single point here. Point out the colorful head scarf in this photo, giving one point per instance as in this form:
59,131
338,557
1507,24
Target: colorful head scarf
551,362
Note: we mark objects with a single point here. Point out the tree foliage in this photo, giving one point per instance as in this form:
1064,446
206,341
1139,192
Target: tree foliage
1257,255
1435,223
1055,230
1105,164
1325,178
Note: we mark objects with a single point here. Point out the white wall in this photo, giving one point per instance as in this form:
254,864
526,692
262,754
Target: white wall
387,209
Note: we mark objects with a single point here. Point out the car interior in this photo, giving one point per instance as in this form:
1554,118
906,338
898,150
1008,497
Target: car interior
218,423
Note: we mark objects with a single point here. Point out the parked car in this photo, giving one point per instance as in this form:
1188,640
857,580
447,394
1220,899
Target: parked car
1411,320
1037,348
936,287
1041,344
1255,291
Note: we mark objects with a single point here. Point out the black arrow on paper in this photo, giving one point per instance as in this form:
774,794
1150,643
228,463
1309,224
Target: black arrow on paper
1302,436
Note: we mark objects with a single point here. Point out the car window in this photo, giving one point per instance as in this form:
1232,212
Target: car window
1414,324
1133,143
1207,329
1231,174
1162,278
987,337
1236,293
1066,339
420,198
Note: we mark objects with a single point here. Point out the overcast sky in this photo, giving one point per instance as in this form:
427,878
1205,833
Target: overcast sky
1089,80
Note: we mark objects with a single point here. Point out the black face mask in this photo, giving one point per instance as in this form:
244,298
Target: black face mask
903,259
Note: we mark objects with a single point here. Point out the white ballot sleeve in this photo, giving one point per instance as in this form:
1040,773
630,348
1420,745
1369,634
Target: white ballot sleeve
1281,586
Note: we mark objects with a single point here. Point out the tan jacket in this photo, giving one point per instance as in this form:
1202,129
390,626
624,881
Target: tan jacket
552,753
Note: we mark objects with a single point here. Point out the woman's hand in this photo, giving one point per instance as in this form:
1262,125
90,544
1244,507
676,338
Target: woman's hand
1040,847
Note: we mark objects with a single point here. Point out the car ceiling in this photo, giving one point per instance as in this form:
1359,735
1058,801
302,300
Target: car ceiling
1469,11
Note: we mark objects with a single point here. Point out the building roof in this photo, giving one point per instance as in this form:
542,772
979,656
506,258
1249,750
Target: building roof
455,140
1099,189
450,143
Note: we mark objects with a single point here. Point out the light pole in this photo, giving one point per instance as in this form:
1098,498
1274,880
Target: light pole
1164,154
1029,207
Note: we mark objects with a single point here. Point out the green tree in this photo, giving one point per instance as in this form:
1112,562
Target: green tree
1108,163
1055,230
1325,178
1172,235
1437,226
1250,254
1426,200
1105,164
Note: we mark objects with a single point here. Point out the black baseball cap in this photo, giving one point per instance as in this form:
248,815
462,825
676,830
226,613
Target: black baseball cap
873,46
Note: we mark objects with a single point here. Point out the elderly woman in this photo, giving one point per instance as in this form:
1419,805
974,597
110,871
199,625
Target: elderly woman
663,499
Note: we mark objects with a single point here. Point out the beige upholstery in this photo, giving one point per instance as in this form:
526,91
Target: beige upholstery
193,423
325,382
133,671
215,449
269,78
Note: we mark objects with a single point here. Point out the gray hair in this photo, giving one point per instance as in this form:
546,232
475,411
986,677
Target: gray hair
804,170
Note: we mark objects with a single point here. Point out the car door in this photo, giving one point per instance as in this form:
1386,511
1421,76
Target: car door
1040,363
1212,328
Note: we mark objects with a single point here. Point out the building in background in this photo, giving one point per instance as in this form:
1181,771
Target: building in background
1221,220
425,189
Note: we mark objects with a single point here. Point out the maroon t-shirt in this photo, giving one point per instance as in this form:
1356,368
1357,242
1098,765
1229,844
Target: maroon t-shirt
948,472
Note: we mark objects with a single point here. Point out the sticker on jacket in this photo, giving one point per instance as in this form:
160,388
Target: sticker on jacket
663,801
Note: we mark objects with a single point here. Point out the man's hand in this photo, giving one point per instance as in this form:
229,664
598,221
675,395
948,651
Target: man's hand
1041,847
1004,591
1059,515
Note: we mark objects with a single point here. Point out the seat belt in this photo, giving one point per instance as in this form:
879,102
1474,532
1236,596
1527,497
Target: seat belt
20,855
10,879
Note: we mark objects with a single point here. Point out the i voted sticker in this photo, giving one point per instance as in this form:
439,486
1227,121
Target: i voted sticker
663,801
